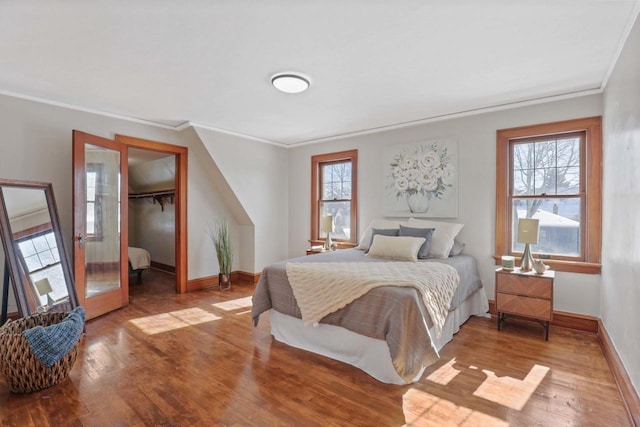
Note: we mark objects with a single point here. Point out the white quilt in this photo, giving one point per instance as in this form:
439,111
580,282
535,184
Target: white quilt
139,258
322,288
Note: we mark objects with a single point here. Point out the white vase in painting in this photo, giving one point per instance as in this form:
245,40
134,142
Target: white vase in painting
418,202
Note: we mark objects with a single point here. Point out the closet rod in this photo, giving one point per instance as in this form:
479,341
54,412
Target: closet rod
152,194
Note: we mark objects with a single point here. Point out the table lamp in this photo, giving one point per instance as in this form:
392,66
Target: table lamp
44,288
527,234
326,226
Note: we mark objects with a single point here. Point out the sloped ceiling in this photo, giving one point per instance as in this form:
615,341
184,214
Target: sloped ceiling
372,64
151,171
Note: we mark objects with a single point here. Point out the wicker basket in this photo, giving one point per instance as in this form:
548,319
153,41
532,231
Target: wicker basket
22,370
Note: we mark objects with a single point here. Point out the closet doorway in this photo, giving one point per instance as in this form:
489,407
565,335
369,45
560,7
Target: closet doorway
101,223
151,215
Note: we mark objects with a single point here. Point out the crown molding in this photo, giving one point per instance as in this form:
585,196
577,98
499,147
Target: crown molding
186,124
621,43
457,115
85,109
232,133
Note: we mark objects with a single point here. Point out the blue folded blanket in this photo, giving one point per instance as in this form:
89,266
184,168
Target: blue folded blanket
51,343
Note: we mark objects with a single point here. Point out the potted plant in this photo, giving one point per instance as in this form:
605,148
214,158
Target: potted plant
220,237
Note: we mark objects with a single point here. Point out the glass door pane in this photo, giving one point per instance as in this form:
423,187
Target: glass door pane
102,213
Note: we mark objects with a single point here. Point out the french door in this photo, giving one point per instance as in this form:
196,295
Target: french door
100,223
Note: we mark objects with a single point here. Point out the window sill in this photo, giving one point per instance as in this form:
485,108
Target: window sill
568,266
341,244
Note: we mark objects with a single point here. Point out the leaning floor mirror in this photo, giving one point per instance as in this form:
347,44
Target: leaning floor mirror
36,264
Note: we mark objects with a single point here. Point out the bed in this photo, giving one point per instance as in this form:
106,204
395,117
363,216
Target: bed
387,332
139,261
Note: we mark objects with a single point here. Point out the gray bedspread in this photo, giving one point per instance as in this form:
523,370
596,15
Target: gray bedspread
394,314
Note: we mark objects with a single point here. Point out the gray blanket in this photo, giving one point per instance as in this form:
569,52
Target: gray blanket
394,314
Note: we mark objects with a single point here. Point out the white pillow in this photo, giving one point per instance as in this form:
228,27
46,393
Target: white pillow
365,240
394,247
443,235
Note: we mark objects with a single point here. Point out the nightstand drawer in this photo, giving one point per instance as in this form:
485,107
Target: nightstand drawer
524,306
536,286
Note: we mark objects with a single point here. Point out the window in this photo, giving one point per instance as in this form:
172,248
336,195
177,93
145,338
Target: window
94,202
41,259
39,251
552,172
334,192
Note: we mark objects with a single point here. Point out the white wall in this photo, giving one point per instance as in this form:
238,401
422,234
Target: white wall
152,226
256,174
621,202
476,136
208,203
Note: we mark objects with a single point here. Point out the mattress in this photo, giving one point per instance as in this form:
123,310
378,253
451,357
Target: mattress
139,258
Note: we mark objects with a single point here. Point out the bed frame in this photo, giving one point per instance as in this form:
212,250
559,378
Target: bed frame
138,272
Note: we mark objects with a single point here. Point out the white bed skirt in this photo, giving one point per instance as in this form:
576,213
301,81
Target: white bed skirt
368,354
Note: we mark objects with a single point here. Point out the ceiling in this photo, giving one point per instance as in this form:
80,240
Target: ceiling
372,64
137,156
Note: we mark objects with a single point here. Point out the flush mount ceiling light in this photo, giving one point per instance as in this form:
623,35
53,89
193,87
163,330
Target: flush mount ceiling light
290,83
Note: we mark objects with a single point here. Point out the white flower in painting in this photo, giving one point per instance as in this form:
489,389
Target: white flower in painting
413,174
426,170
408,163
426,176
402,184
448,174
430,184
429,160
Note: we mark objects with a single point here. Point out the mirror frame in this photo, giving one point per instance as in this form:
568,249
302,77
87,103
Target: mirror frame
12,252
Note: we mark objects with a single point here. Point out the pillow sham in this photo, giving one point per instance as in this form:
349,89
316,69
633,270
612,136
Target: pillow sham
443,235
383,232
398,248
457,248
365,240
426,233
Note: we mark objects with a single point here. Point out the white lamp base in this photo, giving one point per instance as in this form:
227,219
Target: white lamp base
327,243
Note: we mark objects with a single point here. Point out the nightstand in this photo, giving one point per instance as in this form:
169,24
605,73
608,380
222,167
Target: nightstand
525,294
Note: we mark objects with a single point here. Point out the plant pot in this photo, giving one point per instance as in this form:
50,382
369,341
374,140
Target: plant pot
224,282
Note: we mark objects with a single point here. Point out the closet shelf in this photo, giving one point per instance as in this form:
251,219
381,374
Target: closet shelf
161,197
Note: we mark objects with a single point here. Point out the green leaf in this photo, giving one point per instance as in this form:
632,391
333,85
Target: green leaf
222,243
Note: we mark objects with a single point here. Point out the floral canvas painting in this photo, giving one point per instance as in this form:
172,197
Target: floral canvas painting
421,180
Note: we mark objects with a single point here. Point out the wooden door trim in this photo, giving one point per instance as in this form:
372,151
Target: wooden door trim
110,300
180,200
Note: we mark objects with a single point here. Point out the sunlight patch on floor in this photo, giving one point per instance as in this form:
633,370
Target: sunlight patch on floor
444,374
234,304
164,322
424,409
511,392
506,391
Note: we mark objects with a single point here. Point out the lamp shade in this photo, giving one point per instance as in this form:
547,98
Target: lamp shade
528,230
43,286
326,224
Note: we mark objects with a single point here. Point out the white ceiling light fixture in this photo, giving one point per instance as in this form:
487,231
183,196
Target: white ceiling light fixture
290,82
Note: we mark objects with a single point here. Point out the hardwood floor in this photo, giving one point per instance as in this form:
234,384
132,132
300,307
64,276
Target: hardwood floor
196,359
